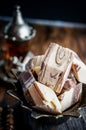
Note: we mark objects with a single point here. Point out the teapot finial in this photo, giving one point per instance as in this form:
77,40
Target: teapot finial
17,16
17,7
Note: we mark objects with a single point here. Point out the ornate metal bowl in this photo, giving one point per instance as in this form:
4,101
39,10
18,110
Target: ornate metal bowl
41,116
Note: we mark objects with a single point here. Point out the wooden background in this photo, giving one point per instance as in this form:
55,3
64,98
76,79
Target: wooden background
73,38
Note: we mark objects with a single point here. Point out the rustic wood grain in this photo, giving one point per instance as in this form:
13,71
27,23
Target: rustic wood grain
73,38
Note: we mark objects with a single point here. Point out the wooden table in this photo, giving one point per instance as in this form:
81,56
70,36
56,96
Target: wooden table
67,36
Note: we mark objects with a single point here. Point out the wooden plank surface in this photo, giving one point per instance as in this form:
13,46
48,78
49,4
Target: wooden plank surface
73,38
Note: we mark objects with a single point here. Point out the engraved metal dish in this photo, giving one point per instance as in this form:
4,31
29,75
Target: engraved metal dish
34,114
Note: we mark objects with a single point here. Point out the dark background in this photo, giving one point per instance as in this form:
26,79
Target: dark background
73,11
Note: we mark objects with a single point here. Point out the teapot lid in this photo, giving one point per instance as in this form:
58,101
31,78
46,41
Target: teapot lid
17,29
